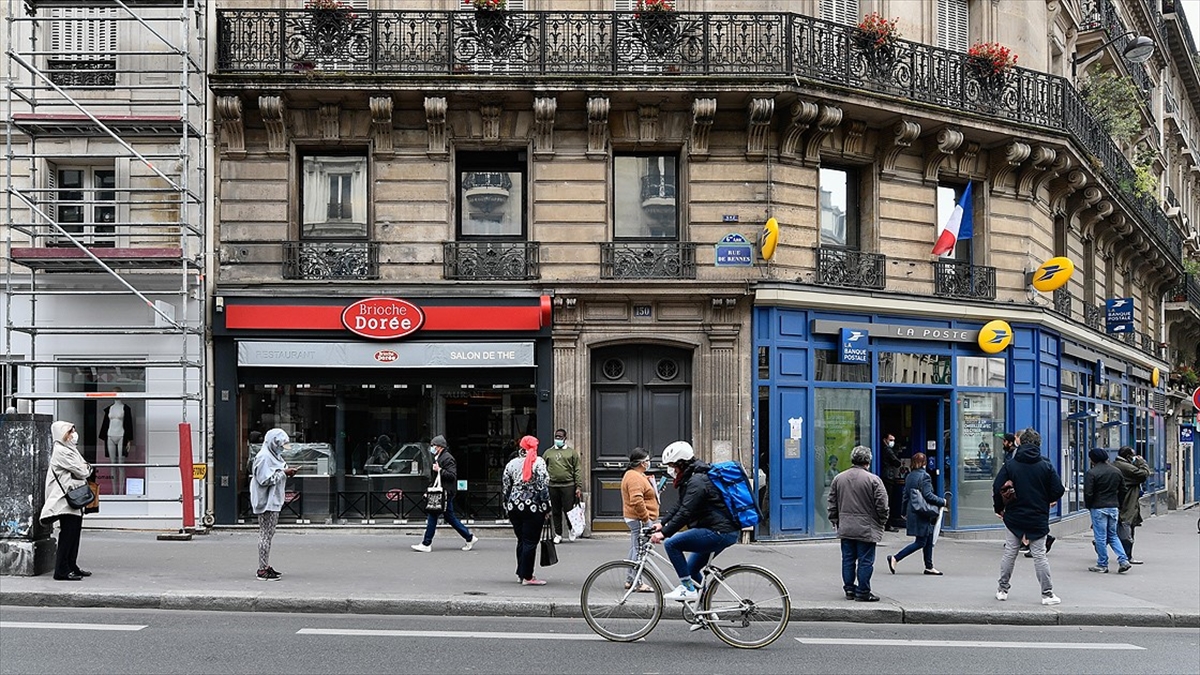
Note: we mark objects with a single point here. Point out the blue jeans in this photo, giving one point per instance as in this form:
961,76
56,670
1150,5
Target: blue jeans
924,544
858,563
1104,533
451,520
702,543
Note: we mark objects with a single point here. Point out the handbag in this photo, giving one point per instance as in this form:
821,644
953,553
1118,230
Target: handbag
1008,492
94,505
77,497
548,554
921,507
435,497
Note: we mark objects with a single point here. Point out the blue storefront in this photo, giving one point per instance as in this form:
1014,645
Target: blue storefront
827,381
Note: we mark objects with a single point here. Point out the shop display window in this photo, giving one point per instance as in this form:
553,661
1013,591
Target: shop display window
981,422
120,458
843,420
982,371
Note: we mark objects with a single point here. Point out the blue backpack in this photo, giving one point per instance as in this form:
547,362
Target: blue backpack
733,484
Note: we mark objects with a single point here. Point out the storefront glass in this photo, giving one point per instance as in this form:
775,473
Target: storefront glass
120,458
981,423
843,420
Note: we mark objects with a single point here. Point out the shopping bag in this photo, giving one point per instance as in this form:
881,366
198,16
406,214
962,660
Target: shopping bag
548,554
575,517
937,525
435,498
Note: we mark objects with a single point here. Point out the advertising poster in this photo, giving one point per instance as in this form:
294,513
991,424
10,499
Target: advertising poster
841,435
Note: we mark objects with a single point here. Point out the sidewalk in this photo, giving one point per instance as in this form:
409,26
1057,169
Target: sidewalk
376,573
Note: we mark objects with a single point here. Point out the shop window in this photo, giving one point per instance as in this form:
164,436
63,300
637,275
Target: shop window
83,202
838,203
491,195
843,419
334,197
947,198
119,460
646,197
981,421
901,368
829,369
953,24
981,371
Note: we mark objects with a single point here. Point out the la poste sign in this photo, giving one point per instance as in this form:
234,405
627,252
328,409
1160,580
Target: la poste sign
382,318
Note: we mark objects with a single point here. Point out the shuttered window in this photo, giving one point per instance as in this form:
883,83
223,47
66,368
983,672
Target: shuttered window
511,5
841,11
84,43
952,25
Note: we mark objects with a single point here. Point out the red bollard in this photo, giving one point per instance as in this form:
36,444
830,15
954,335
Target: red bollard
185,476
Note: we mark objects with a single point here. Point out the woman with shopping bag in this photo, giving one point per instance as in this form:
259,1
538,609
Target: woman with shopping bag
525,493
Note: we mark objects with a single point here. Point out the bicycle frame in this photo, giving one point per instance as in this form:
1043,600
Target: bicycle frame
645,562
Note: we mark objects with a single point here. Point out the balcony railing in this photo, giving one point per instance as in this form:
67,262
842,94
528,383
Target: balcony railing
854,269
331,260
953,279
491,260
1103,14
1188,290
648,260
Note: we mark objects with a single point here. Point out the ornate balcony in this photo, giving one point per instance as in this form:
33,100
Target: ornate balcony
648,260
853,269
331,260
1093,316
953,279
1063,302
491,260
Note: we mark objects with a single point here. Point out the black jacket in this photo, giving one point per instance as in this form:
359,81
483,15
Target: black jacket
449,471
700,504
1102,487
1037,486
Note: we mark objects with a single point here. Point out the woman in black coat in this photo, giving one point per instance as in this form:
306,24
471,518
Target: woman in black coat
919,527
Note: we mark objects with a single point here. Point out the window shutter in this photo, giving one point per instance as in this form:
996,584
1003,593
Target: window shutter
82,33
624,5
840,11
952,32
50,204
513,5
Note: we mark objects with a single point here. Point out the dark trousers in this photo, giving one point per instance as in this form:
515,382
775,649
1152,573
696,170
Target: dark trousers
1125,534
528,528
69,529
858,564
451,520
924,544
562,499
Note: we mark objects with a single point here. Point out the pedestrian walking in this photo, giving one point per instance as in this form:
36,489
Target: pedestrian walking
1134,472
639,505
525,492
268,482
67,471
858,510
1102,496
919,527
446,467
566,482
1022,494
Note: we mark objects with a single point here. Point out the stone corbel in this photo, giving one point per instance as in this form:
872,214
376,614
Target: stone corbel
855,138
1074,181
828,119
597,115
233,126
490,114
1034,173
647,124
1005,162
904,132
966,159
272,110
381,125
704,110
1089,219
947,142
435,121
803,114
328,120
759,127
544,110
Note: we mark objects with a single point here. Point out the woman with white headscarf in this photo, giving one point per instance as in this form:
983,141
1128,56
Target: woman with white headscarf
68,470
267,484
525,493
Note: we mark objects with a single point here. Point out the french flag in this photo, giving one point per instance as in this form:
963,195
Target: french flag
960,225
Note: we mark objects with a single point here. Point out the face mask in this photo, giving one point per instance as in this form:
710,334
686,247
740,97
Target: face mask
559,442
671,471
73,438
433,450
891,444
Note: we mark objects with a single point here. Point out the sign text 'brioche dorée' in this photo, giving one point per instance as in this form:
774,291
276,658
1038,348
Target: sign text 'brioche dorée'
382,318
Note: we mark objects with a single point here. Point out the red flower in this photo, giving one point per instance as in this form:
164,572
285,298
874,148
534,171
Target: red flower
993,55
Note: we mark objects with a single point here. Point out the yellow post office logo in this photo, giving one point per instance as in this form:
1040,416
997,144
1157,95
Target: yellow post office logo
995,336
1053,274
768,239
1154,376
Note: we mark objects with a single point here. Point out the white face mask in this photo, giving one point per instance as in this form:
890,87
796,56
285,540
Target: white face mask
671,471
73,438
891,444
433,449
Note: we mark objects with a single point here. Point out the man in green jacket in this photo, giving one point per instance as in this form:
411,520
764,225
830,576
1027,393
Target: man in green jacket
1134,471
566,481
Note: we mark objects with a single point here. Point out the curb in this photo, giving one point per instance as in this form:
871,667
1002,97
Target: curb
881,613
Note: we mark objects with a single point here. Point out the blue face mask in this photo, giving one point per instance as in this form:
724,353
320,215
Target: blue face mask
433,449
559,442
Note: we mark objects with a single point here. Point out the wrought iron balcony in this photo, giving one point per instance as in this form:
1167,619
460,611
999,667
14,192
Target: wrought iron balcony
854,269
331,260
1187,290
491,260
1093,316
953,279
648,260
1063,302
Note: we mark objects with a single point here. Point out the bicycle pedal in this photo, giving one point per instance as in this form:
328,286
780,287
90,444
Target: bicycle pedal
697,626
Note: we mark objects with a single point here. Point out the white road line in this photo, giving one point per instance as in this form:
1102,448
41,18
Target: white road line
70,626
444,634
1120,646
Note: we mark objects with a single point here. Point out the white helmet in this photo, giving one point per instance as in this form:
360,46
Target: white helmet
678,451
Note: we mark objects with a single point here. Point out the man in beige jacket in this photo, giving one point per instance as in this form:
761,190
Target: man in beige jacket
858,509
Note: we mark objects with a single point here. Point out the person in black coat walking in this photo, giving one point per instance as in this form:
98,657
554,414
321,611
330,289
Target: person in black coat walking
445,466
1036,486
1101,495
918,526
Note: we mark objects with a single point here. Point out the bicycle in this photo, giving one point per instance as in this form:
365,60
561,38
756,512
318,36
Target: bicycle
746,606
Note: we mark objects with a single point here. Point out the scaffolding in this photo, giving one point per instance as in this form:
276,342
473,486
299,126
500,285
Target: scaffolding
105,247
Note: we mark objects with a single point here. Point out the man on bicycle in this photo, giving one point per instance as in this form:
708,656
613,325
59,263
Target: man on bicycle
711,527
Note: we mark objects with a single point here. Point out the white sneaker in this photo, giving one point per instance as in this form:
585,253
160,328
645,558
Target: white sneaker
1051,599
1001,595
682,593
422,548
558,538
470,544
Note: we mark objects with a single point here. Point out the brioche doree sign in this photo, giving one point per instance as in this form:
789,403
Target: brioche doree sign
382,318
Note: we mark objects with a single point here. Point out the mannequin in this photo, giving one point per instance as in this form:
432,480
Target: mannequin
116,431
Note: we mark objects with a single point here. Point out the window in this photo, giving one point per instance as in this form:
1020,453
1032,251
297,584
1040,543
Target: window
334,197
840,11
947,199
952,24
491,194
84,43
646,197
838,203
84,204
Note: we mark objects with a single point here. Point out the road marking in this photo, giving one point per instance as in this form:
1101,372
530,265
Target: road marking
971,644
446,634
70,626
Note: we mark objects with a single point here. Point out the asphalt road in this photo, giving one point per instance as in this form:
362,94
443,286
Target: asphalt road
80,641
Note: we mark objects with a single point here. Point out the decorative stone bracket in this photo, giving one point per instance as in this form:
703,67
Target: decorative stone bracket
904,132
704,110
854,139
803,114
544,109
947,142
272,110
435,120
1005,162
233,126
647,123
759,127
329,121
381,125
597,115
828,119
490,114
1034,173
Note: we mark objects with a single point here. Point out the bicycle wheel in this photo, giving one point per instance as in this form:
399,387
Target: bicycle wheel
618,613
746,606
